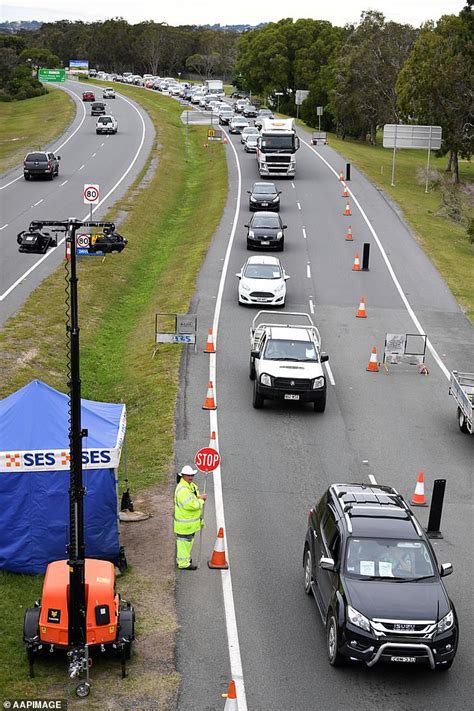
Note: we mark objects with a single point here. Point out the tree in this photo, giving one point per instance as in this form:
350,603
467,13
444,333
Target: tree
40,57
204,64
435,86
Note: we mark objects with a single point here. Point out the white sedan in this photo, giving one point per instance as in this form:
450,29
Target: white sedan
262,280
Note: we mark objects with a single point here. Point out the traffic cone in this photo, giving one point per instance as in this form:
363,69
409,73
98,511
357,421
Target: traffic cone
349,234
347,211
212,442
341,177
361,312
418,498
356,265
210,343
225,140
345,192
218,554
373,366
209,402
68,251
231,697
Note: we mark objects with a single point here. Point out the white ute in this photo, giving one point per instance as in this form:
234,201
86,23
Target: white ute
106,124
286,360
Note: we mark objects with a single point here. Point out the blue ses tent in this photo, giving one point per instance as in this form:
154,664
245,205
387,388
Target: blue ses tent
34,477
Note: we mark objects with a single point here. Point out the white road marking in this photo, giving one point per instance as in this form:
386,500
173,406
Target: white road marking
66,181
94,155
372,479
226,578
2,228
102,144
62,144
37,203
311,306
304,233
299,206
87,215
330,375
82,166
308,271
293,185
391,271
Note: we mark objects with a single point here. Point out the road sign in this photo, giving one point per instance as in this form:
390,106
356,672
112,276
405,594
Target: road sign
82,240
319,110
91,194
411,136
300,96
52,74
214,134
207,459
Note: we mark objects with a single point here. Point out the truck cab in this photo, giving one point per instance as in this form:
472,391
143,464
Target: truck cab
286,360
276,148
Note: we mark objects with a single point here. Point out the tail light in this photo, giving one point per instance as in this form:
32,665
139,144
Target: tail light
50,165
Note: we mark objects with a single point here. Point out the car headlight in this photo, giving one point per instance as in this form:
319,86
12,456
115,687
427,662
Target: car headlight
244,287
251,233
279,235
265,379
276,199
446,623
358,619
252,199
318,383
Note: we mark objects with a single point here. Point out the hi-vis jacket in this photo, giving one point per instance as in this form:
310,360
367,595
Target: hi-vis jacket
187,508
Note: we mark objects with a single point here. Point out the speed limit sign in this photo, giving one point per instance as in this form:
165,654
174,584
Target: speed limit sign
91,194
82,240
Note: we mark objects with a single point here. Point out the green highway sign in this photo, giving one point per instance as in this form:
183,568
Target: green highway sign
52,74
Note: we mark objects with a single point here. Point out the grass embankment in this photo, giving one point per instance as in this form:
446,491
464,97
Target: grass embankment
32,124
170,220
444,241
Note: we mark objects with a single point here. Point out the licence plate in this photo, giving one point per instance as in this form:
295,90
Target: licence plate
264,204
265,243
290,396
409,660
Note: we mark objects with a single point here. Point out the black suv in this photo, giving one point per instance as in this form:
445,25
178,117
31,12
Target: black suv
376,581
98,108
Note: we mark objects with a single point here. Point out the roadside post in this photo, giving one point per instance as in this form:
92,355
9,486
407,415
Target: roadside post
436,509
348,172
365,257
207,460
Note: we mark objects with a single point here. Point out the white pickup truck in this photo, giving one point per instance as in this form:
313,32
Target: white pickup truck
286,360
461,387
106,124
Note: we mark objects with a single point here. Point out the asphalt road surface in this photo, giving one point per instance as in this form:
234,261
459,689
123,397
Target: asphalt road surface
111,161
277,462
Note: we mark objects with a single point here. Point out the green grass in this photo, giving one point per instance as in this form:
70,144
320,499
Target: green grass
443,240
32,124
169,222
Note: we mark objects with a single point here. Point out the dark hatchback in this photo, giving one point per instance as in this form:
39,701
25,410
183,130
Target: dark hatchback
374,575
264,196
266,230
98,108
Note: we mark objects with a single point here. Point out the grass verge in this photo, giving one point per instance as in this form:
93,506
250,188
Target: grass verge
170,217
32,124
444,241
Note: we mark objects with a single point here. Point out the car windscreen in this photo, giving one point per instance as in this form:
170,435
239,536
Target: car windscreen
266,221
105,119
263,189
302,351
388,559
36,156
250,131
262,271
272,143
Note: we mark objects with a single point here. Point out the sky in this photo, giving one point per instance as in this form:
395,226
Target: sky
203,12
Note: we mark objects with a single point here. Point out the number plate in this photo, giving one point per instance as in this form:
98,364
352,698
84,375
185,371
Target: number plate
264,204
409,660
265,243
290,396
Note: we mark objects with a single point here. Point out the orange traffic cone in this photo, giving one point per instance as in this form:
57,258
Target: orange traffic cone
209,402
356,265
345,192
210,343
361,312
341,177
347,211
218,554
225,140
373,366
418,498
349,234
212,442
231,697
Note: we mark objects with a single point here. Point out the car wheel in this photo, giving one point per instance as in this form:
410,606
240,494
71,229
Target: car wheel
249,246
252,369
320,405
462,421
282,245
27,177
332,642
257,400
308,573
51,176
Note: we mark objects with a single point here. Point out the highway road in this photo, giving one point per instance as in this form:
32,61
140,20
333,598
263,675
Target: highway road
254,623
111,161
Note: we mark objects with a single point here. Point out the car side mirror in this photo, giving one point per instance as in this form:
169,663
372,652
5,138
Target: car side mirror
255,354
285,226
446,569
327,564
324,357
279,192
58,157
249,192
297,143
245,225
286,276
239,275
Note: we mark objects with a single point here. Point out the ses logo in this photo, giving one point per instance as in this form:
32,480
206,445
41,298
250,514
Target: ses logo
53,459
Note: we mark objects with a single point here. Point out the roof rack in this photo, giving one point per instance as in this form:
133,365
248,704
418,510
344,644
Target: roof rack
371,499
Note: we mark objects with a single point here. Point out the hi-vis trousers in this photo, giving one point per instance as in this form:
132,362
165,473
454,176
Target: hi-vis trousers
184,546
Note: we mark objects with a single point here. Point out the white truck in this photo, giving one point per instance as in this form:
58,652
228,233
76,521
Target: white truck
286,359
276,147
461,387
215,86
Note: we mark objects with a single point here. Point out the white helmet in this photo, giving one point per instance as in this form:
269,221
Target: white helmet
188,471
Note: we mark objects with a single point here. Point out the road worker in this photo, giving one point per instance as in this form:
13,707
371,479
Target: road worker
188,512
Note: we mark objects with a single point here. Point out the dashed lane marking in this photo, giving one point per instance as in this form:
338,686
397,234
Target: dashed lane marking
304,232
308,271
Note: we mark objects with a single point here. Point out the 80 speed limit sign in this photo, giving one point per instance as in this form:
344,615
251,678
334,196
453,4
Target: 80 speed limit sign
91,194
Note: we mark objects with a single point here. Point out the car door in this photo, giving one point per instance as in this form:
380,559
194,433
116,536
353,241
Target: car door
330,545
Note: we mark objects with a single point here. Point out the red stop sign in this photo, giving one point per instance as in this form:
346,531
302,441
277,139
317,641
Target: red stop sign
207,459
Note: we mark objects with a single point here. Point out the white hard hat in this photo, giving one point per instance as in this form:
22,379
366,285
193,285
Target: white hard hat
188,471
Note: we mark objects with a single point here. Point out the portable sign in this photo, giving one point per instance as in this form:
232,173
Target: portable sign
207,459
214,134
91,194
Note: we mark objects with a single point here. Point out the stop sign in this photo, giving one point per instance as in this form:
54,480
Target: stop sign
207,459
